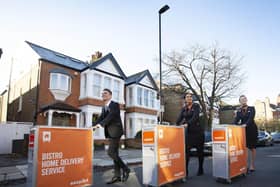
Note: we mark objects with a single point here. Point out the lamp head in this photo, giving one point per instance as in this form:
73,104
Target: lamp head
163,9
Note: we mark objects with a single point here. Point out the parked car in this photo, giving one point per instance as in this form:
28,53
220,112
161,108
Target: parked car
207,150
208,143
276,137
264,139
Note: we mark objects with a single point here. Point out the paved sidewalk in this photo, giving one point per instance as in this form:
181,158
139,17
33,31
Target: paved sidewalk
15,168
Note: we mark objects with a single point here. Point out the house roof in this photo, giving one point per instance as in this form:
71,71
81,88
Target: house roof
95,64
58,58
136,78
60,106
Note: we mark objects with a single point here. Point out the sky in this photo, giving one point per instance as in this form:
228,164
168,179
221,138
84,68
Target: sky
129,30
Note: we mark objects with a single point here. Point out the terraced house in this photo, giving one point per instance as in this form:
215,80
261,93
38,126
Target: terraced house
63,91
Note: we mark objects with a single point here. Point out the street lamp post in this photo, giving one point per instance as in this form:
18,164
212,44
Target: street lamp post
161,11
265,115
1,52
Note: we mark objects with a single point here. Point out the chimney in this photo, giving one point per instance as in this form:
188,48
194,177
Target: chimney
95,56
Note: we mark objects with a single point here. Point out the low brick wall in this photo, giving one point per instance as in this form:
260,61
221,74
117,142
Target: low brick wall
133,143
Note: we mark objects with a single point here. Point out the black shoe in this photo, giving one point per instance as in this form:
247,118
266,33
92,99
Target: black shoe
113,180
200,172
125,174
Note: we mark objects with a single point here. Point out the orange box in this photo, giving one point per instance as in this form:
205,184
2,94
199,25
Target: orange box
62,157
163,152
229,151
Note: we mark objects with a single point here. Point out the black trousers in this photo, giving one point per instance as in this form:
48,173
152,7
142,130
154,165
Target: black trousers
200,156
113,152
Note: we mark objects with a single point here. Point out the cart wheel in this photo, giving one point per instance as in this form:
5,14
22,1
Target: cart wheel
218,179
183,180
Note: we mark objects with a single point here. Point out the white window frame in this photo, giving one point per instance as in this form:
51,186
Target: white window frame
116,90
118,94
96,85
139,96
84,85
152,99
109,79
130,96
59,84
146,98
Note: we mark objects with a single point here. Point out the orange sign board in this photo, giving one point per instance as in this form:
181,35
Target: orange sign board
171,154
148,137
219,135
64,157
237,150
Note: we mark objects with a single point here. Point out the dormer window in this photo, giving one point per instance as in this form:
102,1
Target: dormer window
60,84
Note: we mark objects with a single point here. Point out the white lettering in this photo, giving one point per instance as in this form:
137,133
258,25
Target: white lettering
162,157
174,156
165,164
163,151
52,171
49,163
72,161
52,156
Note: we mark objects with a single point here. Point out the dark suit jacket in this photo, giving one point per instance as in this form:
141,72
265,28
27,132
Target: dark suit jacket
111,121
247,117
191,117
194,132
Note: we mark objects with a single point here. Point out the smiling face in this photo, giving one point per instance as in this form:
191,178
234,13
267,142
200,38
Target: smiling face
188,99
106,96
243,100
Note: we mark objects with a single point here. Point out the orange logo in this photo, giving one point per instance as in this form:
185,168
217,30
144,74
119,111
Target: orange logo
219,135
148,137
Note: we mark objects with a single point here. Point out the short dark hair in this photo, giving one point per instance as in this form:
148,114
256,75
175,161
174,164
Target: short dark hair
242,96
107,90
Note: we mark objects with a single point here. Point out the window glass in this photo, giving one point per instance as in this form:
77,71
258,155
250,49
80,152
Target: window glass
152,99
146,96
107,82
60,82
96,85
139,96
116,90
63,83
54,81
130,98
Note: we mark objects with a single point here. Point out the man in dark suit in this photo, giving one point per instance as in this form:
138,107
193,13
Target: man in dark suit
110,120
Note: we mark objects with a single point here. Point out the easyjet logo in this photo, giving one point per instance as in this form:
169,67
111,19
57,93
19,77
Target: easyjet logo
46,136
219,135
148,137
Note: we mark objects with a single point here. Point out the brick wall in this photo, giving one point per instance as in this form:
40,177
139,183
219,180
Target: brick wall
46,97
173,104
141,110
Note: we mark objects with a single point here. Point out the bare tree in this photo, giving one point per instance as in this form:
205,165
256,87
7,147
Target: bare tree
210,73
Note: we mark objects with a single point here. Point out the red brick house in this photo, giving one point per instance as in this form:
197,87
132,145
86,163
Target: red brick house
63,91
